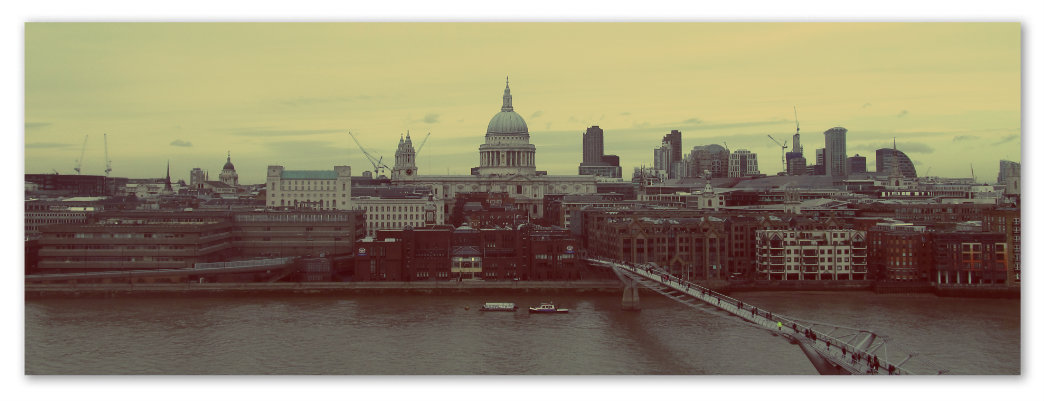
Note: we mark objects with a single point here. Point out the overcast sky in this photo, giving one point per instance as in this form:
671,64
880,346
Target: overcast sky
282,93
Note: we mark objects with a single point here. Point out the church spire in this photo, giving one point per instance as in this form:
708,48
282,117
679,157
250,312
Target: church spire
507,96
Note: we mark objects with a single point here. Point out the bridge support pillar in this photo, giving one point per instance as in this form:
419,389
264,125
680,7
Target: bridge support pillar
630,296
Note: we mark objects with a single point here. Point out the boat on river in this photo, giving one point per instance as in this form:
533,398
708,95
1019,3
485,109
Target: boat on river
547,307
499,307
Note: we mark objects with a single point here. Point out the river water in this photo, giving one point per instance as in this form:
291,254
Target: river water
435,334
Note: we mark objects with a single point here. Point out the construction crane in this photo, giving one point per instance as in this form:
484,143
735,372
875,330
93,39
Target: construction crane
417,152
108,163
79,162
378,165
784,150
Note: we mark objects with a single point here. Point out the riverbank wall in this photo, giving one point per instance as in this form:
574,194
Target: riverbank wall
34,291
479,287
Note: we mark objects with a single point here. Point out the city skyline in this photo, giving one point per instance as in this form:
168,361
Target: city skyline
288,94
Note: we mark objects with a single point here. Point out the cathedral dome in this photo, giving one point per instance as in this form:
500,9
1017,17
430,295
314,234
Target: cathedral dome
507,121
228,163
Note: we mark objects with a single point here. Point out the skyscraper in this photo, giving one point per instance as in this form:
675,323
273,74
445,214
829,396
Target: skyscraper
1008,169
743,163
856,164
836,157
673,141
889,159
595,162
593,145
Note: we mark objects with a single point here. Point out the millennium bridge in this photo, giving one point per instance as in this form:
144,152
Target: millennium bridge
831,348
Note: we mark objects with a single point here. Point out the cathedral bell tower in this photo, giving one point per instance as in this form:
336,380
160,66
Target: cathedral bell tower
405,160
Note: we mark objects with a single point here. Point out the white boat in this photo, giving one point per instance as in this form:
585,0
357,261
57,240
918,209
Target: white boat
547,307
499,307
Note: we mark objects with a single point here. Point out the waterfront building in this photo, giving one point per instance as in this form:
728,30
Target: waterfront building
303,233
71,185
969,258
743,163
900,251
132,244
687,245
1008,221
835,156
812,255
142,240
309,189
527,252
43,213
893,161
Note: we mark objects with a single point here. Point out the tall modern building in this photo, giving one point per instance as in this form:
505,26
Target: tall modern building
662,157
507,150
889,159
674,144
836,158
856,164
743,163
796,152
594,161
593,145
713,158
1008,169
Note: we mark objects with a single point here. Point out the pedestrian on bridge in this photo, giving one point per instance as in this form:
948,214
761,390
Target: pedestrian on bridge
779,325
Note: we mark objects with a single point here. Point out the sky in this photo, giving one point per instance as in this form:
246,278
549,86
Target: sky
289,93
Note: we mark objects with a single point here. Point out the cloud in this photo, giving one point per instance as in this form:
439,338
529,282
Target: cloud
274,132
964,138
536,114
47,145
184,144
547,126
866,105
34,125
636,124
431,118
905,147
693,120
1006,139
625,113
902,114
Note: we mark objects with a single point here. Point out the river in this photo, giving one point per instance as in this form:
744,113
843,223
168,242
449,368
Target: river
433,335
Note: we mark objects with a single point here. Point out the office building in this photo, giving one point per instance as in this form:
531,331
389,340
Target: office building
835,156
